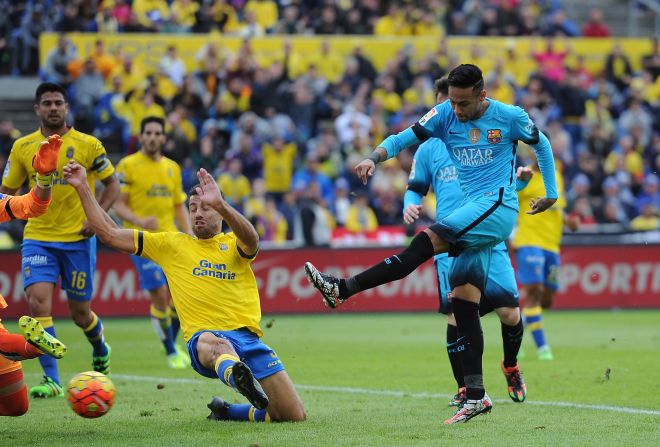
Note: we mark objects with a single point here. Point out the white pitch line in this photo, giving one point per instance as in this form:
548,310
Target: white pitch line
390,393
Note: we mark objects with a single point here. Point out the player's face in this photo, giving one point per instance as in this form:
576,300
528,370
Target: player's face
205,221
152,138
52,110
465,103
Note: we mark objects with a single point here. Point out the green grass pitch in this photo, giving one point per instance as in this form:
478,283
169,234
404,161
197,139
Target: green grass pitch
372,380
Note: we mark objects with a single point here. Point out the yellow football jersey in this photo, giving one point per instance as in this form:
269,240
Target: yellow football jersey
153,187
540,230
212,285
65,216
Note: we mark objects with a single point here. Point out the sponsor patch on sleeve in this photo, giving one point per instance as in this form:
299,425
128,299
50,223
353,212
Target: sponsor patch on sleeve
430,114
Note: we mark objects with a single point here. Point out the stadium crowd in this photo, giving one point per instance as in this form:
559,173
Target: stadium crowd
283,130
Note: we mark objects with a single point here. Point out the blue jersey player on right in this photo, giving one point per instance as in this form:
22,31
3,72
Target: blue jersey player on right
481,136
432,166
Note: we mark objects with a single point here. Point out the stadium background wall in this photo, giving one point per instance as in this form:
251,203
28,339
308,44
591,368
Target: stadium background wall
148,49
592,277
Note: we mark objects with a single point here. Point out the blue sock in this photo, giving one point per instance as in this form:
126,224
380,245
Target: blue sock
534,322
223,367
94,334
163,325
246,412
48,363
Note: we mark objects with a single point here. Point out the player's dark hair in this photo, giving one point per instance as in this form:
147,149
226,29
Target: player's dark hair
193,191
48,87
466,76
152,119
441,85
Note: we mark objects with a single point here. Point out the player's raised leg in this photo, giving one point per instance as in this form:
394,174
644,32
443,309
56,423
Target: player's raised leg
337,290
35,334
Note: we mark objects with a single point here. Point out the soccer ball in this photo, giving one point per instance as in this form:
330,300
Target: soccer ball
91,394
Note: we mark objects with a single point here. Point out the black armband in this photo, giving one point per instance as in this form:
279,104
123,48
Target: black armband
375,157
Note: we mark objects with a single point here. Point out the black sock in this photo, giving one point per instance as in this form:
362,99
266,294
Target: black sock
454,355
471,338
511,339
391,269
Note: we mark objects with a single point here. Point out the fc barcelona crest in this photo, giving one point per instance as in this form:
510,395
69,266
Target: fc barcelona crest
69,152
475,134
494,136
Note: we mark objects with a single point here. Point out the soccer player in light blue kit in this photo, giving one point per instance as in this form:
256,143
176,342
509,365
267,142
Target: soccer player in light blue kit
481,135
432,166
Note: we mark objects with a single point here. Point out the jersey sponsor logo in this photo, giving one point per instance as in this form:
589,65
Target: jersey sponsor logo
475,134
494,136
159,191
209,269
447,174
430,114
473,156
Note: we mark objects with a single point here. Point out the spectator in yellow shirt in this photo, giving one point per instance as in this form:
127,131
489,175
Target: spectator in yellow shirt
278,157
234,185
183,14
265,12
646,221
361,218
152,14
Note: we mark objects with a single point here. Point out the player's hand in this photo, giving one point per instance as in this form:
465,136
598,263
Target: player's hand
208,191
74,174
87,230
45,161
524,173
365,169
540,204
149,223
573,223
411,213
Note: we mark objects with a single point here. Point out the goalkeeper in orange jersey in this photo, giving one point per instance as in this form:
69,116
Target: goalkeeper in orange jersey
34,341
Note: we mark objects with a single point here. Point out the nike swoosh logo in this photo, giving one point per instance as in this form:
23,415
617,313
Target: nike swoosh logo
454,133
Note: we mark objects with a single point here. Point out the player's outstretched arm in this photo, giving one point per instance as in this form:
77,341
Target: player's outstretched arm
23,207
209,194
99,221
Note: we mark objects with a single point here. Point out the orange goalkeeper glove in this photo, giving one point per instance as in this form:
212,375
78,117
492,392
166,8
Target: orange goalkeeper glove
45,162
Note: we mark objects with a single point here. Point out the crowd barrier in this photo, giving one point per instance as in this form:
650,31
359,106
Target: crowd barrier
591,277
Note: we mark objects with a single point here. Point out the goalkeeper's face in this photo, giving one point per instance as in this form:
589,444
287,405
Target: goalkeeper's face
205,221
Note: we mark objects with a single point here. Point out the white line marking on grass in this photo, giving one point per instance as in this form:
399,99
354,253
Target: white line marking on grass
390,393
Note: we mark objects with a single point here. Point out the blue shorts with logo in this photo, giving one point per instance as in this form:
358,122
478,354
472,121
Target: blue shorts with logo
501,288
471,231
73,262
538,266
261,359
150,274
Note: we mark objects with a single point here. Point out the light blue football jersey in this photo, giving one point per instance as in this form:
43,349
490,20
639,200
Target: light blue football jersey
433,166
483,150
